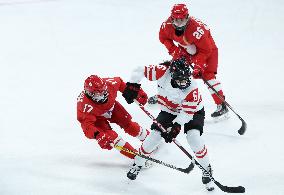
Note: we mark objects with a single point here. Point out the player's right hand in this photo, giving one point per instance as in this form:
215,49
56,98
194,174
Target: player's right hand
142,97
178,52
197,72
105,140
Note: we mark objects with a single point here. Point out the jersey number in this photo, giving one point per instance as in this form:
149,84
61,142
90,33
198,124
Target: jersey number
198,33
112,81
88,108
195,96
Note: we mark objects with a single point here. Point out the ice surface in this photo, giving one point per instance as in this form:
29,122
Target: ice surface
47,48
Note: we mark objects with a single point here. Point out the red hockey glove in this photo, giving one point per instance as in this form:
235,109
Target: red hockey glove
169,136
197,72
178,52
142,97
131,92
105,140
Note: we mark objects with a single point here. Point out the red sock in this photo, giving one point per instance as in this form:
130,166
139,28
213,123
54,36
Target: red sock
217,100
129,147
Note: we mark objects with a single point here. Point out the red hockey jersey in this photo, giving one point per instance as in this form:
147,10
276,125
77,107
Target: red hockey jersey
196,39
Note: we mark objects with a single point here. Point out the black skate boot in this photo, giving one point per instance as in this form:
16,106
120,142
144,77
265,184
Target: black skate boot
209,185
134,171
222,110
153,100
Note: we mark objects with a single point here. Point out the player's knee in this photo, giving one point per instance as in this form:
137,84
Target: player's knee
132,128
194,140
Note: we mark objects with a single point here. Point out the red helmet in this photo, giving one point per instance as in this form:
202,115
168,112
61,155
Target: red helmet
96,88
179,11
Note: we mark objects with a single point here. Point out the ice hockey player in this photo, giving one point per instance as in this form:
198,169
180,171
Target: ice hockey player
193,40
181,108
97,107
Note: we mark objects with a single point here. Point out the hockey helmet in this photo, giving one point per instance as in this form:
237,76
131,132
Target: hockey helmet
180,73
96,89
179,16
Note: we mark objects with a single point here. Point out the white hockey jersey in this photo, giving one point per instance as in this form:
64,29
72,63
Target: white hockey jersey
183,103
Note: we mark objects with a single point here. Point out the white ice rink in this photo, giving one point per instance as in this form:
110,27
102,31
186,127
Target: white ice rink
48,48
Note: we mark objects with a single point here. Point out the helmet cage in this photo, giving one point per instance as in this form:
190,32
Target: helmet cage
180,24
99,95
180,73
96,89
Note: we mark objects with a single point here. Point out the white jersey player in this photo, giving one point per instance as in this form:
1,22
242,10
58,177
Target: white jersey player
181,106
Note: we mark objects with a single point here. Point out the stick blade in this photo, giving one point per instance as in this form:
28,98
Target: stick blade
243,128
238,189
188,169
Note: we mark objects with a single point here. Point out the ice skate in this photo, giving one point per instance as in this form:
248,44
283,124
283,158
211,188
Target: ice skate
134,171
221,113
209,185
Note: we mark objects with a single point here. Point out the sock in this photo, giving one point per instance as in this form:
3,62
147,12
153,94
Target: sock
199,148
217,86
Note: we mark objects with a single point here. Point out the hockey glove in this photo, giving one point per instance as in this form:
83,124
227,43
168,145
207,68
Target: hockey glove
169,136
142,97
197,72
106,139
178,52
131,92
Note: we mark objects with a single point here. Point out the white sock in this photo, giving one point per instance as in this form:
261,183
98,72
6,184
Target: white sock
151,142
197,145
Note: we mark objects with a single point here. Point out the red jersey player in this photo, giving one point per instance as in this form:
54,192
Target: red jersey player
97,108
185,35
181,106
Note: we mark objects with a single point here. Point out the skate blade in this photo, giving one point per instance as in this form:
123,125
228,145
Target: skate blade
210,188
221,118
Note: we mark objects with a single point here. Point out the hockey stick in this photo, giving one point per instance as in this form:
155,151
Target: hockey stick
186,170
243,128
238,189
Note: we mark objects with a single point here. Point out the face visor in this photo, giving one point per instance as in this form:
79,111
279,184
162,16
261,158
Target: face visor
180,23
182,83
98,96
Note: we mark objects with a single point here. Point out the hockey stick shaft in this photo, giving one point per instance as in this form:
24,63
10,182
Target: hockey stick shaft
243,128
186,170
239,189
